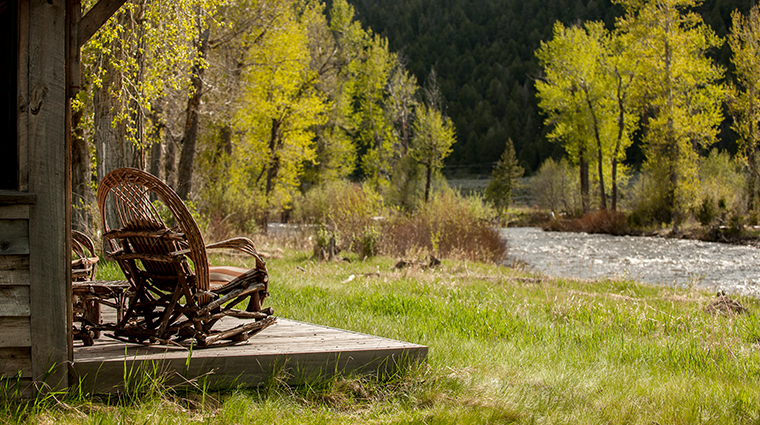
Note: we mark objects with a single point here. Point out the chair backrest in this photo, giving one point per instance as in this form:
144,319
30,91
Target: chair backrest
150,231
83,259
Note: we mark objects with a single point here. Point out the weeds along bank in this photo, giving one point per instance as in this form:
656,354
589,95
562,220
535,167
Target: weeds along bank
505,347
353,218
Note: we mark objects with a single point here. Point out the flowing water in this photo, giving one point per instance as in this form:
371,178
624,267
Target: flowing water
674,262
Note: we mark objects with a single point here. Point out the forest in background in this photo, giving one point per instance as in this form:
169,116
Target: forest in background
483,52
244,107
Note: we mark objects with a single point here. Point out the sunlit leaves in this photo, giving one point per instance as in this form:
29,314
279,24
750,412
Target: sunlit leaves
585,95
680,92
281,105
150,47
744,99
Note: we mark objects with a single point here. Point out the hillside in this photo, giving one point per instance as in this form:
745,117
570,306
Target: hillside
483,54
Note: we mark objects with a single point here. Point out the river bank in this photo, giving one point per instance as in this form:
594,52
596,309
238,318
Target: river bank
618,224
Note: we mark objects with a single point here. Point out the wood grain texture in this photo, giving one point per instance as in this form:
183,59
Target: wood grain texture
14,270
14,262
302,352
14,301
15,362
14,277
22,113
12,198
49,222
14,237
14,212
16,332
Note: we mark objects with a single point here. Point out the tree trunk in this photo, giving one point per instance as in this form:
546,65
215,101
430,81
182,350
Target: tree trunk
751,152
600,168
428,178
155,159
190,137
614,184
80,175
273,168
583,167
170,163
154,137
621,129
274,161
112,148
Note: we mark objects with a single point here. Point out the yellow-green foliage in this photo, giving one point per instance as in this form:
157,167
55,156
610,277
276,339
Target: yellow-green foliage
722,180
349,212
150,47
680,85
282,105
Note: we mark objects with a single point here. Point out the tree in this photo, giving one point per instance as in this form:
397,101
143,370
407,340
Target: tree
744,98
504,179
574,93
141,56
282,106
192,116
431,142
680,92
336,48
373,127
624,67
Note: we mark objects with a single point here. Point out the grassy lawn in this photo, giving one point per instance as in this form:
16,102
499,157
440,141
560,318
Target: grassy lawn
505,347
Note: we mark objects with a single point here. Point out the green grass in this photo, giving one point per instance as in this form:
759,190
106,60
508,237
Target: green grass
505,347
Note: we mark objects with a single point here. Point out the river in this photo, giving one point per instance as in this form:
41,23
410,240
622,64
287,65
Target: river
674,262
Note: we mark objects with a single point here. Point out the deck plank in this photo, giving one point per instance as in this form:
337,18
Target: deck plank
298,352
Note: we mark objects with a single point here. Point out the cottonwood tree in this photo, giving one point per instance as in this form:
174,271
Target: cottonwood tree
144,52
370,120
623,65
585,92
237,27
336,47
282,106
571,93
680,92
744,98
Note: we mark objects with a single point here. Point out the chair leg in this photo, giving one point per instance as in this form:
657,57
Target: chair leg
255,303
92,314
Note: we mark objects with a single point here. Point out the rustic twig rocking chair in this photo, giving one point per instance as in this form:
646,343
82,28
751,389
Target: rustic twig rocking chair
177,297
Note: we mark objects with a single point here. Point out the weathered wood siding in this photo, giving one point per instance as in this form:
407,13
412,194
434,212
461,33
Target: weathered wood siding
15,310
35,283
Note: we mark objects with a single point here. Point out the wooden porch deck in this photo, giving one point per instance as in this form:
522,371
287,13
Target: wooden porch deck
290,350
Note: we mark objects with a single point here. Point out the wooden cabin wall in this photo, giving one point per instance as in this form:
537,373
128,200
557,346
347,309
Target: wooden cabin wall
15,311
35,270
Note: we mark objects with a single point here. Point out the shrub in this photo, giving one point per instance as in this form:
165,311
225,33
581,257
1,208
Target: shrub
348,213
720,178
650,207
602,221
231,211
450,226
555,187
707,211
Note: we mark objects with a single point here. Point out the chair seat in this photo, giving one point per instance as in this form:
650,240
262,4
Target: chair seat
220,276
